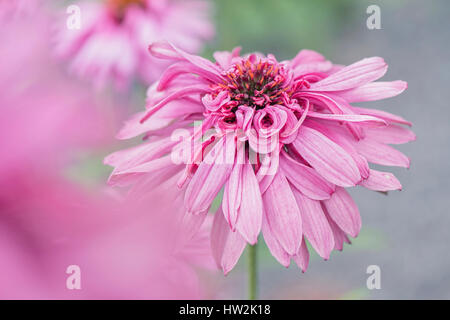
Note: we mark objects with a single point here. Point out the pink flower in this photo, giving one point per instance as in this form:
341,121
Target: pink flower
114,35
123,252
281,138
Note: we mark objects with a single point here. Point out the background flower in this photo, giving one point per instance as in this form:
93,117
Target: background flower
111,45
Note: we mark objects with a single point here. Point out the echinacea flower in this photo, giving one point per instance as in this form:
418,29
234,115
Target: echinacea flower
280,138
112,41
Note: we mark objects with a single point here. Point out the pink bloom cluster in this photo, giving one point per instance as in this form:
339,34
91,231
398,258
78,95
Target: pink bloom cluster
281,138
114,35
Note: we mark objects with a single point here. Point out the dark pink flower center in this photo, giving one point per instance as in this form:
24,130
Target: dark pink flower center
256,83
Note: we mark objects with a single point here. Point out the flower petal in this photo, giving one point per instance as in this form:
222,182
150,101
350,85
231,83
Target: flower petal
232,195
381,181
209,178
227,246
165,50
283,215
383,154
302,256
343,210
389,117
374,91
358,118
339,236
251,209
272,243
329,159
354,75
391,134
305,179
315,225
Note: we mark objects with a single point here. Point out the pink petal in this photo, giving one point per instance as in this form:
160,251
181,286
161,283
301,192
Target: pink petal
339,236
283,215
224,58
383,154
354,75
209,178
315,225
329,159
343,210
232,195
302,257
128,175
305,179
227,246
128,158
367,120
312,67
176,70
340,135
391,134
174,96
381,181
272,243
389,117
306,56
374,91
165,50
133,127
251,209
189,224
266,172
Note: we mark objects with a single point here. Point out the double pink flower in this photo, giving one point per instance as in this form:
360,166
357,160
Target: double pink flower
281,138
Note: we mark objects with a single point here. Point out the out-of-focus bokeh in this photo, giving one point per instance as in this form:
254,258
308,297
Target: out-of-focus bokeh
56,210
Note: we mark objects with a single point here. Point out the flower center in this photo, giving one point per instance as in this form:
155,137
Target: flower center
119,7
256,83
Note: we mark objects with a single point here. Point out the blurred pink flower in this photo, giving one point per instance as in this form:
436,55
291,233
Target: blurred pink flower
46,117
48,222
122,251
282,139
114,35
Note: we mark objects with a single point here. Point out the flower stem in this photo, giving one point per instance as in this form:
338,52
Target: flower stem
252,273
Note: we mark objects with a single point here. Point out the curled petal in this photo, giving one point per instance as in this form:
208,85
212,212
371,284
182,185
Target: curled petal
165,50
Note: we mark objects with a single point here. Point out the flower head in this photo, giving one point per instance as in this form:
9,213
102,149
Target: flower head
111,44
281,138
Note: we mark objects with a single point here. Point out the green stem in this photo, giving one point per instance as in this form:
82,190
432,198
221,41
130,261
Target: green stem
252,273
